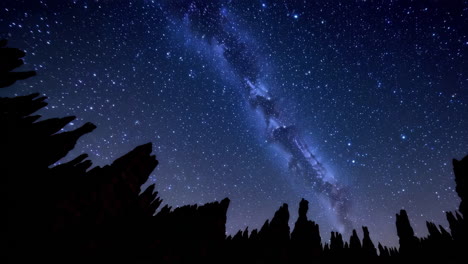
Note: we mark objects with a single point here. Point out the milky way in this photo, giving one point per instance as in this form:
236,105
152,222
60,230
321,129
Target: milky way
372,96
211,21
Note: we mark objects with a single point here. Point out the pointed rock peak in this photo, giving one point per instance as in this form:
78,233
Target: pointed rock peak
459,217
253,234
265,226
354,241
68,119
365,231
402,214
339,236
238,235
303,208
284,207
225,203
282,215
86,128
444,232
145,148
450,216
403,225
78,159
245,234
150,189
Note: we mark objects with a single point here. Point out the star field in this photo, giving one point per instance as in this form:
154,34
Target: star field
378,89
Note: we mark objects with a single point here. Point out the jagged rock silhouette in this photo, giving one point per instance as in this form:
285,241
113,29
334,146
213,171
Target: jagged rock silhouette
11,59
409,244
460,169
305,238
73,211
367,244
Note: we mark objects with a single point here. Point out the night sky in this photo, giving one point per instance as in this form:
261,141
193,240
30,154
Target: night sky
375,93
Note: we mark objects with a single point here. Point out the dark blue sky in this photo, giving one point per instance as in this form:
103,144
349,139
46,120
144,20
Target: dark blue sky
378,90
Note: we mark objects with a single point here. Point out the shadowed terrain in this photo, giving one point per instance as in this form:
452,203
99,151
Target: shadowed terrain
70,212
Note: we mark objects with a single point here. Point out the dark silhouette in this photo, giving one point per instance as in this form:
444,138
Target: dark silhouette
69,212
11,59
305,238
460,169
409,244
367,245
